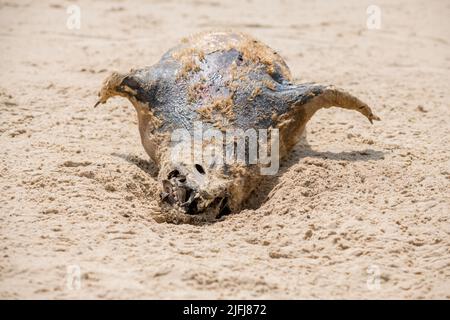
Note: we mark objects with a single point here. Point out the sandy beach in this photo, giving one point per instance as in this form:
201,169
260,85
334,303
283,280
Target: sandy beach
356,211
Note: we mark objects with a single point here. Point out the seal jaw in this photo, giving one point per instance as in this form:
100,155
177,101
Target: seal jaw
192,194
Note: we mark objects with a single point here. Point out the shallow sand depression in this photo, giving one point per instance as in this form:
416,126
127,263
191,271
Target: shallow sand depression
356,210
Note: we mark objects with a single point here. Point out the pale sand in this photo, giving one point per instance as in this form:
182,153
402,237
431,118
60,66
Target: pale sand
76,187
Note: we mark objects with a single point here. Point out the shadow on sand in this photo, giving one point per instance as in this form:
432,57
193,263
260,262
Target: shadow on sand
148,166
303,150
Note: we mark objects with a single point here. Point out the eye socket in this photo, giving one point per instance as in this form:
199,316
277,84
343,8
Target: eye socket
200,169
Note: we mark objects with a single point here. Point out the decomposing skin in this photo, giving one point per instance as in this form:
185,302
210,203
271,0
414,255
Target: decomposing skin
227,80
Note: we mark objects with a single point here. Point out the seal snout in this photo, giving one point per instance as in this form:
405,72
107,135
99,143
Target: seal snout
185,192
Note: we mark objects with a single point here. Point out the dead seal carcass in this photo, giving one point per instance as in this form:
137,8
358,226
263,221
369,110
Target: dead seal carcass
228,81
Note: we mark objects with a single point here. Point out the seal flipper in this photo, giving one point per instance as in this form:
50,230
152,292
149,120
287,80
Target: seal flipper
305,100
128,85
309,98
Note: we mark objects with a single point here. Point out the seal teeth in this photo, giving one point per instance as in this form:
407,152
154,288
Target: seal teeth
167,186
167,197
178,191
181,194
192,197
164,195
167,194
